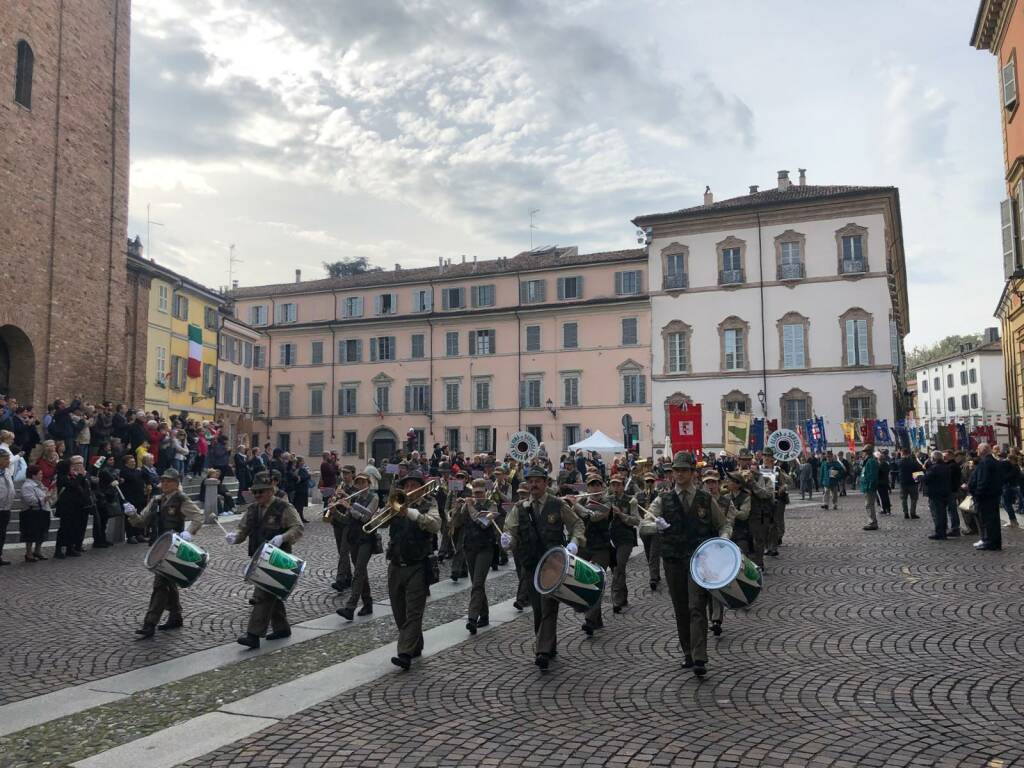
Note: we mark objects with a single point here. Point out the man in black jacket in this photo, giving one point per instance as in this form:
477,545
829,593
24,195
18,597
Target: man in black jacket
908,484
955,481
986,485
938,486
884,483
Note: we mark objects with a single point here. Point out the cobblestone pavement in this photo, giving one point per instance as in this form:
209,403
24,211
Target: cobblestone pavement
874,649
71,621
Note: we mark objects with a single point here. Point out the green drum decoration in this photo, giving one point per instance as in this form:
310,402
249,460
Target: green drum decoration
569,579
183,562
275,571
719,566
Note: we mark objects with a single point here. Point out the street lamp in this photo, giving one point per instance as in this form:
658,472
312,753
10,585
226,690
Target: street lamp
551,408
762,398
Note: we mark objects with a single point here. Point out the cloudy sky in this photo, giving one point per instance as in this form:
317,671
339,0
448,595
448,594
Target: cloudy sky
406,130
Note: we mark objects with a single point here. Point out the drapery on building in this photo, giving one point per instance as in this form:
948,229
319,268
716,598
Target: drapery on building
63,198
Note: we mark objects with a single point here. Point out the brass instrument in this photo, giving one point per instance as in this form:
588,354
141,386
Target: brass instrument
334,503
398,502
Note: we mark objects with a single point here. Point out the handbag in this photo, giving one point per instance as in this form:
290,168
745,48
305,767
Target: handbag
967,505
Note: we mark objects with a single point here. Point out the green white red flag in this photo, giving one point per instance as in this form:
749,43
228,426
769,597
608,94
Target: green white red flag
195,351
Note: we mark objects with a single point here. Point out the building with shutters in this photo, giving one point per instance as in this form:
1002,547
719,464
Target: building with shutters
999,29
786,303
551,341
237,344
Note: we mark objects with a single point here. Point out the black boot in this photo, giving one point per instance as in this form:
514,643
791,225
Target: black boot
147,631
173,622
403,660
249,641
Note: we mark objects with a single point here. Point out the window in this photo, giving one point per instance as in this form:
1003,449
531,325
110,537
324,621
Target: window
736,402
422,300
536,431
451,436
209,384
179,307
316,403
965,402
259,356
963,377
246,384
532,292
676,339
570,435
1009,81
284,441
858,403
453,298
349,443
795,408
162,292
417,346
951,404
316,443
258,315
533,338
481,342
288,354
629,331
482,295
627,283
530,393
1009,228
570,335
972,376
949,380
733,341
730,261
571,391
257,401
385,304
852,243
451,395
382,398
482,394
855,326
924,386
789,248
382,348
974,400
161,366
482,440
350,351
451,344
284,402
570,288
347,400
925,407
287,313
23,75
938,406
417,399
352,306
316,353
674,274
937,383
210,318
792,346
634,388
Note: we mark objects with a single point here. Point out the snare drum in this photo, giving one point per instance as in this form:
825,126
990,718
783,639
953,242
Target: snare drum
719,566
183,562
275,571
569,579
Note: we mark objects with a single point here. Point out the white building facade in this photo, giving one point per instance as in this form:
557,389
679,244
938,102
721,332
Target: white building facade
786,304
968,387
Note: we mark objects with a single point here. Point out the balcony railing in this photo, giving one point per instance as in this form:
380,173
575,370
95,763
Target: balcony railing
853,266
791,271
675,281
730,276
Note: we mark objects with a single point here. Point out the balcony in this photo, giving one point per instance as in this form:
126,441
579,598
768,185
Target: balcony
730,276
675,281
854,267
791,272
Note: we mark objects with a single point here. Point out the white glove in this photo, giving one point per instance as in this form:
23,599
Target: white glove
506,540
231,538
662,523
277,540
186,535
573,549
129,508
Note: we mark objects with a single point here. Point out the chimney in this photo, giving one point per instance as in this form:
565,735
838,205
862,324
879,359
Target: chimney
753,188
463,258
708,197
298,275
474,262
398,267
440,264
803,177
784,182
234,285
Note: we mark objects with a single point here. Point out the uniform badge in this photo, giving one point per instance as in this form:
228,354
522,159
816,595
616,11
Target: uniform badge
552,519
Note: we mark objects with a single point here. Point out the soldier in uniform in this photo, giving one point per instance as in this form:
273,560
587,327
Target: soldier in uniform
273,520
595,514
362,546
651,541
780,498
687,516
477,521
172,510
458,569
525,579
411,541
340,523
624,522
762,506
531,528
737,488
501,494
712,484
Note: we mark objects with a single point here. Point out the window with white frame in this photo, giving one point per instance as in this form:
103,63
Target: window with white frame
422,300
949,380
453,298
352,306
634,387
162,294
289,354
482,394
481,342
675,271
316,353
790,260
628,283
482,295
857,350
246,390
161,365
385,304
451,396
452,435
530,392
417,346
482,440
382,398
965,403
179,306
257,401
451,344
348,404
734,352
571,390
533,338
287,313
284,441
316,401
629,331
570,288
532,292
316,443
677,348
247,354
853,254
793,346
963,378
732,260
382,348
1009,79
349,442
350,350
258,314
795,410
570,335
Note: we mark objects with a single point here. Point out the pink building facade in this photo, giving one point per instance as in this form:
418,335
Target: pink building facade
554,342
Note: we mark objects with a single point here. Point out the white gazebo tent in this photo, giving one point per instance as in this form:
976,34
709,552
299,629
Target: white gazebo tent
599,442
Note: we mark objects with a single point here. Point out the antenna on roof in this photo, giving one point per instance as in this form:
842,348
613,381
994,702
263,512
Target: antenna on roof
231,263
533,212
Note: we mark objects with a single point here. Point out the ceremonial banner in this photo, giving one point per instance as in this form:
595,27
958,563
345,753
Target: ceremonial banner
195,351
962,440
685,427
737,432
850,433
757,435
821,437
882,432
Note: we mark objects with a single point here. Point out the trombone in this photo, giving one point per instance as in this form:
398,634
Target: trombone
398,503
334,503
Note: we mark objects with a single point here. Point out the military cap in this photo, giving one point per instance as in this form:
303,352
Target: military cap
261,482
769,451
594,480
481,483
461,473
710,474
738,476
275,475
500,468
537,472
415,475
745,453
682,460
616,479
362,476
869,448
170,474
348,468
650,476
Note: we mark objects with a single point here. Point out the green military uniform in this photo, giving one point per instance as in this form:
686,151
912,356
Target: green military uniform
170,512
651,541
762,512
340,523
780,498
459,567
361,546
259,525
411,542
598,549
479,540
624,522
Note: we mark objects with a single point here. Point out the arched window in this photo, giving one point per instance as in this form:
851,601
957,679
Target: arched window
796,407
23,75
733,335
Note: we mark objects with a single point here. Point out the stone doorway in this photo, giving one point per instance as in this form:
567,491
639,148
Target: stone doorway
17,365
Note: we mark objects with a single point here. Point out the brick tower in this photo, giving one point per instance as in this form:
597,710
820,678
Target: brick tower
63,198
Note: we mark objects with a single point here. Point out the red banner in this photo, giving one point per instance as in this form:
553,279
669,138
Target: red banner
685,428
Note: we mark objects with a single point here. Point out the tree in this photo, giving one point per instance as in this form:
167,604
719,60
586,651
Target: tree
357,265
947,346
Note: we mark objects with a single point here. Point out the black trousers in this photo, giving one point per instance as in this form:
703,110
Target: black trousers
988,521
5,519
99,526
883,497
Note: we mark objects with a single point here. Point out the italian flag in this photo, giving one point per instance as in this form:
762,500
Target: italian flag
195,351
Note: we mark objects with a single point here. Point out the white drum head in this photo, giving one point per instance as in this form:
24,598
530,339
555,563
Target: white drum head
551,570
715,563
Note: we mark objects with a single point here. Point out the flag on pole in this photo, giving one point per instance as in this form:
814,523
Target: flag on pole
737,432
819,429
882,435
195,351
686,427
850,433
757,435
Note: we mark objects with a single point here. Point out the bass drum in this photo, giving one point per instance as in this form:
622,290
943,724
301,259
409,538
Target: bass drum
569,579
719,566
